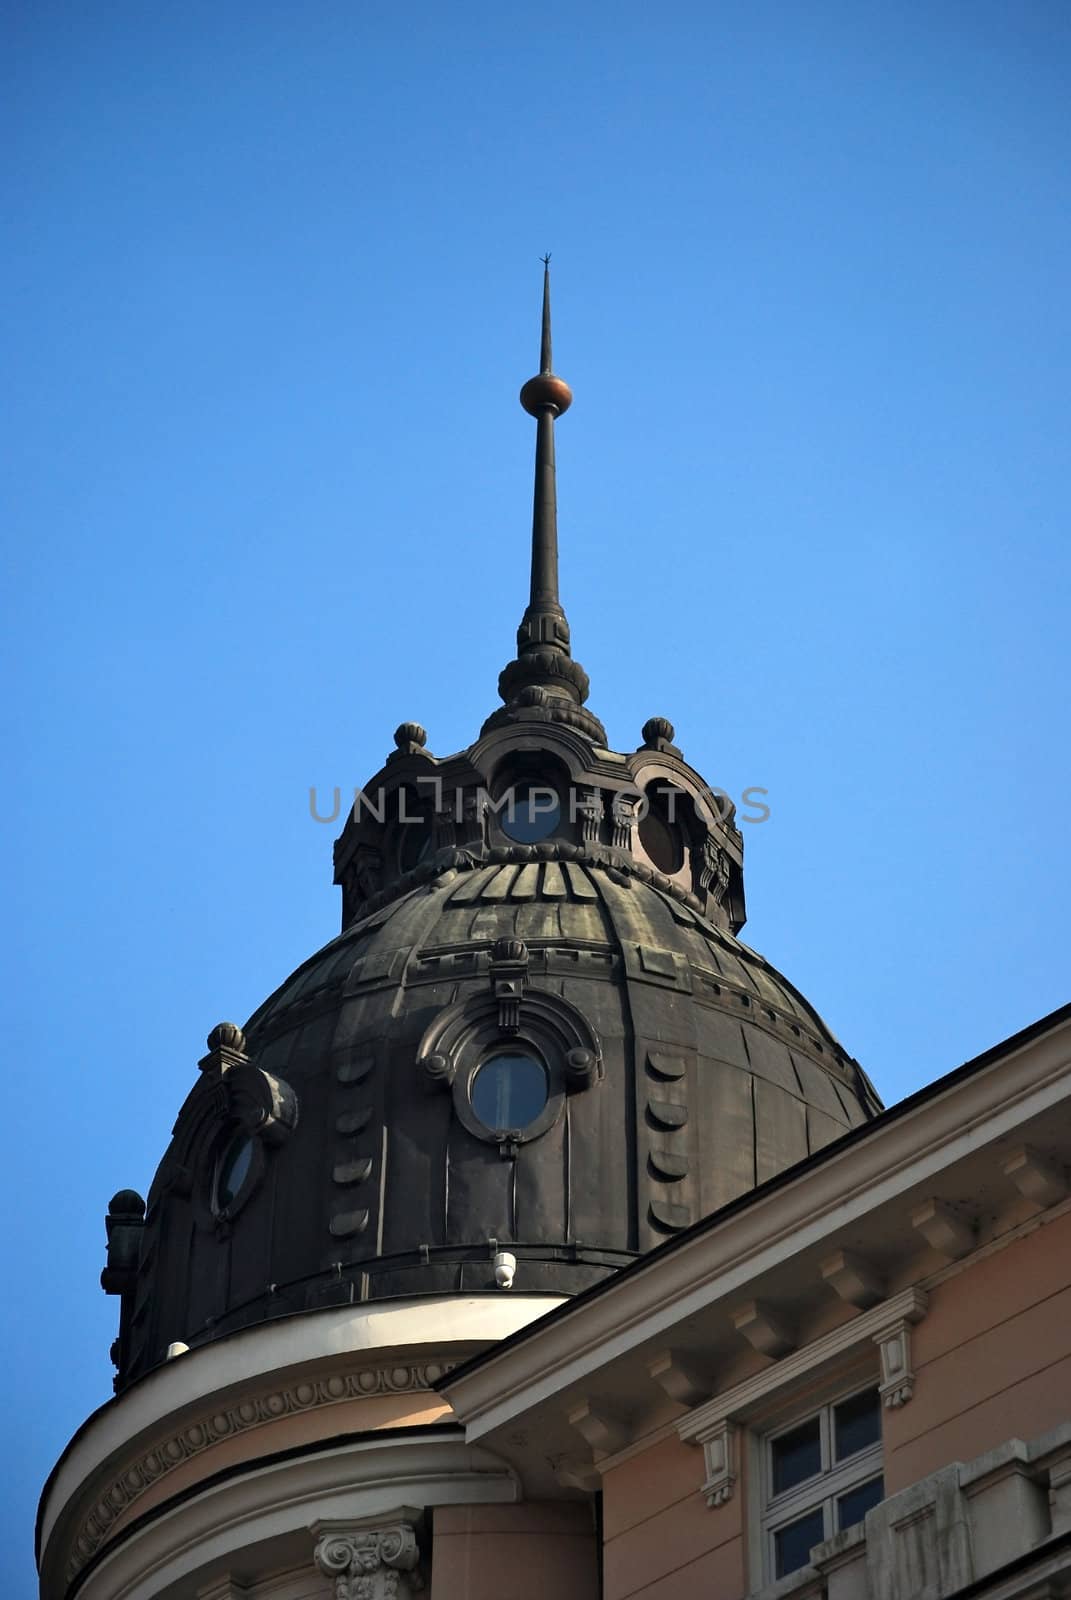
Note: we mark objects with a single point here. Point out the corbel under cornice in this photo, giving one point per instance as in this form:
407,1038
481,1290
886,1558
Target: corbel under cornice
714,1425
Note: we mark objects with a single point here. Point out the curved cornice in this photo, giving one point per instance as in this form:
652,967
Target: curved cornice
256,1377
264,1512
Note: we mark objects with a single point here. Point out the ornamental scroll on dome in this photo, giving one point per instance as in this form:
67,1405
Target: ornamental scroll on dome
253,1099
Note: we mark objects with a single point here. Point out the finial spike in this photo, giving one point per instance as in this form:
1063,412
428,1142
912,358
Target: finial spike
545,397
545,360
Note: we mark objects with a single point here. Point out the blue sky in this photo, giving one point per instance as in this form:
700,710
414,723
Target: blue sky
271,286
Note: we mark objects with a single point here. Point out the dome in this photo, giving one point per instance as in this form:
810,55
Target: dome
343,1147
537,1035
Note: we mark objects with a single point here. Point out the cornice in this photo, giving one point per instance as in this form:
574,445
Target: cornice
862,1174
254,1363
909,1306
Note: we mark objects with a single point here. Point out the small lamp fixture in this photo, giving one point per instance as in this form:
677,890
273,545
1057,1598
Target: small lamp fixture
505,1268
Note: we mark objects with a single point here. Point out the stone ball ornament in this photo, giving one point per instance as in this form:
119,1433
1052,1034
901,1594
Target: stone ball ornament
226,1036
656,728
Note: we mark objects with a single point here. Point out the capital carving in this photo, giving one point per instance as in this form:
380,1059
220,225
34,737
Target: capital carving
590,808
367,1562
713,871
624,812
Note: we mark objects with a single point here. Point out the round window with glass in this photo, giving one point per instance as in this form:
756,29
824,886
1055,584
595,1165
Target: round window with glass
509,1090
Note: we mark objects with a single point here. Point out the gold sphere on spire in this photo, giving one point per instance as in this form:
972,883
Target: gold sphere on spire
546,390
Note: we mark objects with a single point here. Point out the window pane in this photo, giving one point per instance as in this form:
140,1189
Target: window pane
509,1091
662,843
233,1169
796,1456
856,1423
853,1506
792,1545
530,812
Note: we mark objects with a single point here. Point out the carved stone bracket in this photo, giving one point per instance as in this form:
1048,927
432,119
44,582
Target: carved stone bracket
260,1102
720,1452
943,1229
680,1377
603,1429
509,974
713,871
257,1101
1038,1179
590,810
763,1329
853,1278
474,817
894,1344
371,1561
623,817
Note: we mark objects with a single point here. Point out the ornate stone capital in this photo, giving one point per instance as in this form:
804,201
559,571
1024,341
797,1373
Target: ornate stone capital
624,814
371,1561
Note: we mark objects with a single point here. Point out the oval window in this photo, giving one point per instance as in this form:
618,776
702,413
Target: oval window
661,841
529,812
233,1170
509,1091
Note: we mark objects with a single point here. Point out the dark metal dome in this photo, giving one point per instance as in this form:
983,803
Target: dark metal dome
681,1069
537,1029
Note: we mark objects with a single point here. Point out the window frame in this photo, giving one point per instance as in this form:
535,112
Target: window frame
822,1489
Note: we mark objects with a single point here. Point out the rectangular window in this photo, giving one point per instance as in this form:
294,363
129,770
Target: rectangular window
820,1476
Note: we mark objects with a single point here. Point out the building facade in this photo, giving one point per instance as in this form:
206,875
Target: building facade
537,1235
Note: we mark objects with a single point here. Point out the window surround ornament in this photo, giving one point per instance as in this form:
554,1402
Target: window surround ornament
717,1424
245,1100
512,1012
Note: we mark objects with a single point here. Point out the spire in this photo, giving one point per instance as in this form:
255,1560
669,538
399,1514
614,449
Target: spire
545,397
544,681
